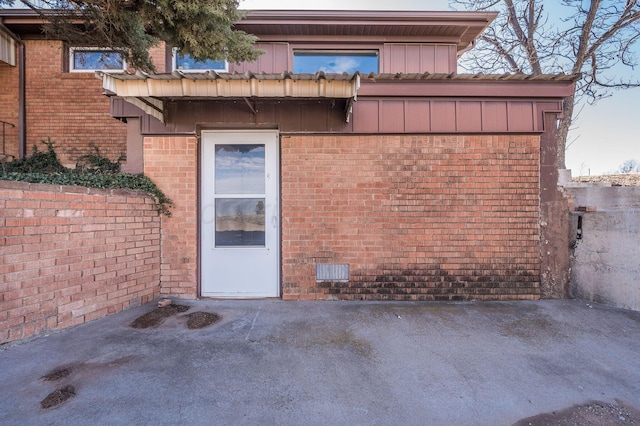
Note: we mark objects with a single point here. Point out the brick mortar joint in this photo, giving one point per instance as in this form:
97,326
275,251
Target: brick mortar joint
70,189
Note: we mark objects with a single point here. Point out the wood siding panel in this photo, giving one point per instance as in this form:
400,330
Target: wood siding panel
275,59
494,116
395,58
418,58
468,116
392,116
541,108
418,116
443,116
370,115
453,59
365,116
443,60
428,57
413,62
520,117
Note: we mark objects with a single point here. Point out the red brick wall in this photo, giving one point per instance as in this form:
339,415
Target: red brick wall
9,108
415,217
171,162
158,55
70,255
68,107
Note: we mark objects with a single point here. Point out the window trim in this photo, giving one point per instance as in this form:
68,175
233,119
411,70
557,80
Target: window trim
73,49
174,63
337,52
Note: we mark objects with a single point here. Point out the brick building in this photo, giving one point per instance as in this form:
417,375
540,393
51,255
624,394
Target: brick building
349,161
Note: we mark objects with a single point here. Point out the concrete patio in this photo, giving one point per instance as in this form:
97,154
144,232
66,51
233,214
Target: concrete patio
275,362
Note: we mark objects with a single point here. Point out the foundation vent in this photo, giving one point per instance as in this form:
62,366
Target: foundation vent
332,272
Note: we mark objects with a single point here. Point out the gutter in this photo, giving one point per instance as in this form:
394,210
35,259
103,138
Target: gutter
22,122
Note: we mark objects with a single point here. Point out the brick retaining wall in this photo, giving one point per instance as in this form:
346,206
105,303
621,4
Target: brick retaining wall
72,254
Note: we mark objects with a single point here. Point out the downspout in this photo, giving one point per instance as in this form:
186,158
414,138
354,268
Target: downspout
466,49
22,122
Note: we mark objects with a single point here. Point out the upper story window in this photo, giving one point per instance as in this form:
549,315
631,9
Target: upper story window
335,61
87,59
184,62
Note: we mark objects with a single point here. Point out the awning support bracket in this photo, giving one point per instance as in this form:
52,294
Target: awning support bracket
251,104
152,106
348,109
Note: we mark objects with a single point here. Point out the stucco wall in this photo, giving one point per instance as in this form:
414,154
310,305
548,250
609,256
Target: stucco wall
606,259
70,255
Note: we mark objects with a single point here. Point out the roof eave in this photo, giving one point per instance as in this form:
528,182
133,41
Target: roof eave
150,92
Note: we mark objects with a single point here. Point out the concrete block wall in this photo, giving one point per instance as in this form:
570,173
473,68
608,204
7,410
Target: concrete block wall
605,264
69,255
415,217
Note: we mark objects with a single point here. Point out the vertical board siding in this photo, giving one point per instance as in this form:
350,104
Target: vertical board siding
448,116
520,116
370,115
418,58
365,116
392,116
419,119
443,116
274,60
428,57
468,116
494,118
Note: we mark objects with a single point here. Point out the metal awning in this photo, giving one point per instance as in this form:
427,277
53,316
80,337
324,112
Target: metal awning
150,92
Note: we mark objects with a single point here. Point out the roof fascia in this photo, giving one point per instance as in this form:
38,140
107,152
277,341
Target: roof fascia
277,16
345,39
466,25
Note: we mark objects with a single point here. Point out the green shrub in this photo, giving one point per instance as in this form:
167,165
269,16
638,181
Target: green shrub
92,170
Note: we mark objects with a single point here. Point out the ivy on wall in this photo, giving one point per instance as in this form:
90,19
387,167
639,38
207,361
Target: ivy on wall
92,170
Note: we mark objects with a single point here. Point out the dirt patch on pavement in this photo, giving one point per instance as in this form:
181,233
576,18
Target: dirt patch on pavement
590,414
157,316
56,374
201,319
58,396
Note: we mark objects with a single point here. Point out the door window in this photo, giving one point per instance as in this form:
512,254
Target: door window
240,195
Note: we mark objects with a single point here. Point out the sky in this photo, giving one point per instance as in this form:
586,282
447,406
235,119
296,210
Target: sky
604,135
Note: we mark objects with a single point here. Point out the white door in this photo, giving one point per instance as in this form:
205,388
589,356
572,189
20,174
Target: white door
240,224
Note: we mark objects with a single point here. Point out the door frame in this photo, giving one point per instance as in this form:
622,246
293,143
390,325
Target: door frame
278,209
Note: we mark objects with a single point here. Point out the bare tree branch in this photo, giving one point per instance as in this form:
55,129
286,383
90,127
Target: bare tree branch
594,38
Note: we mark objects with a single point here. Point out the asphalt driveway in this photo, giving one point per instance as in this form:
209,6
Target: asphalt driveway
329,363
